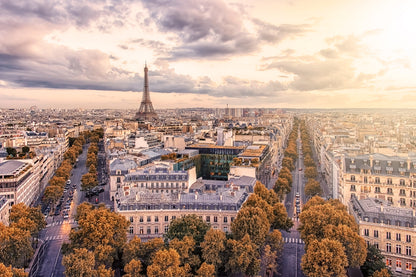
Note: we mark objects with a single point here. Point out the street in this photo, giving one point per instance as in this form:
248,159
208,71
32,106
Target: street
57,229
294,247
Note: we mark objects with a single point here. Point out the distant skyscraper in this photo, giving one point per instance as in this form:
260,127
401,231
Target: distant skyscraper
146,111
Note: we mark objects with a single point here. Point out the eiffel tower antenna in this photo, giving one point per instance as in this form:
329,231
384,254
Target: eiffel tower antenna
146,111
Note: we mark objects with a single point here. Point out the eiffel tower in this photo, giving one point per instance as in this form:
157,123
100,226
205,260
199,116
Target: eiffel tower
146,111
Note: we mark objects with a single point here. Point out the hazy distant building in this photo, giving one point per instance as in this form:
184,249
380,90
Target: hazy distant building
146,111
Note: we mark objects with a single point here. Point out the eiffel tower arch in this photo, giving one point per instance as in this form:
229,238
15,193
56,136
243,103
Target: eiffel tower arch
146,111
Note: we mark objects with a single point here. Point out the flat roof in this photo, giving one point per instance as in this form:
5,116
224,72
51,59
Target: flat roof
10,167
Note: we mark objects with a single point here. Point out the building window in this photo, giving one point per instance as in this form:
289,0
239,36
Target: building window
409,266
352,178
215,219
377,189
166,218
131,219
402,192
156,230
166,228
398,223
352,188
232,219
225,219
149,219
388,262
408,238
131,230
156,218
398,237
377,180
225,229
402,182
408,250
389,191
376,233
398,249
173,217
390,200
118,180
402,202
398,265
376,245
388,247
141,231
366,232
208,218
388,235
365,179
389,181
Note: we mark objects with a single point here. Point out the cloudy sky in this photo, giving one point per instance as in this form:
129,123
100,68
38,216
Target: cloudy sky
253,53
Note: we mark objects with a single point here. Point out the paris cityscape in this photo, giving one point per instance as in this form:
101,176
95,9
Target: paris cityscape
207,138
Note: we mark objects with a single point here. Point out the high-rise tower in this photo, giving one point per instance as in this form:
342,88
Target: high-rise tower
146,111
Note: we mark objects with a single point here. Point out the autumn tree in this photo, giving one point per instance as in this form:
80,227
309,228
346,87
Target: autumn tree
325,258
188,225
253,222
267,195
135,249
88,181
206,270
269,261
15,246
288,163
11,271
310,172
354,245
213,248
312,188
79,264
27,218
52,194
242,257
100,230
166,263
384,272
133,269
186,251
281,187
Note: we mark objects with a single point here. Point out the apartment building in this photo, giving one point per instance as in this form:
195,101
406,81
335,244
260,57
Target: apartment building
390,229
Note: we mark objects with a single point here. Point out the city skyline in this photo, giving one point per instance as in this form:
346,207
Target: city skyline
288,54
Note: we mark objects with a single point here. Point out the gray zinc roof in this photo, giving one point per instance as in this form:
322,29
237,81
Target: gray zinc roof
10,167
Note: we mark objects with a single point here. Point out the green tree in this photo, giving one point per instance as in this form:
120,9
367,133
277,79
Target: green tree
324,258
25,149
188,225
373,262
11,151
166,263
252,221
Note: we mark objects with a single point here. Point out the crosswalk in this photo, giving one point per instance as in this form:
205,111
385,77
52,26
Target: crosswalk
66,221
57,237
293,240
